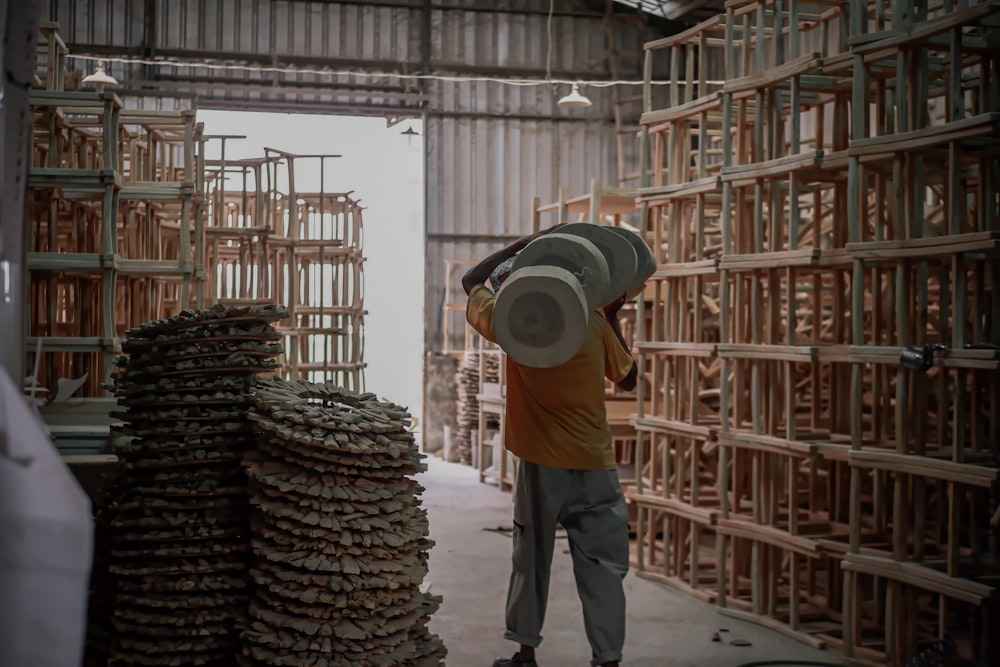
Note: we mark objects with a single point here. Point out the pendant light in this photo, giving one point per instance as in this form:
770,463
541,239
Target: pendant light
574,100
100,79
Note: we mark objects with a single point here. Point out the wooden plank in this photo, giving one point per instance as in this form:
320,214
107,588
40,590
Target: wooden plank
705,516
767,443
923,466
154,267
73,262
937,246
770,535
75,99
663,193
919,576
794,353
782,166
774,76
51,177
710,102
653,424
705,267
802,257
73,343
984,125
703,350
154,191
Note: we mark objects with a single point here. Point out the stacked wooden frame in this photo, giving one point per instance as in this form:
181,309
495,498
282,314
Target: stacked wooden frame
849,445
675,493
266,241
924,241
112,215
785,280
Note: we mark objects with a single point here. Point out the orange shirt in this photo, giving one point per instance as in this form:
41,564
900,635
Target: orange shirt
556,416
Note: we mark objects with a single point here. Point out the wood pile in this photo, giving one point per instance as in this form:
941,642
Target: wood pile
263,521
825,340
178,543
468,406
339,536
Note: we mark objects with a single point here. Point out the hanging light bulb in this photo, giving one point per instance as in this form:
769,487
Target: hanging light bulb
100,79
574,100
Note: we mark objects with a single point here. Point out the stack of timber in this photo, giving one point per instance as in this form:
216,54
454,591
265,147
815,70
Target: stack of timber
468,406
849,438
178,546
495,464
339,536
267,241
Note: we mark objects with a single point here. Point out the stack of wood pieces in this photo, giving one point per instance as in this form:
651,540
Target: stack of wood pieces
338,532
491,373
179,548
468,405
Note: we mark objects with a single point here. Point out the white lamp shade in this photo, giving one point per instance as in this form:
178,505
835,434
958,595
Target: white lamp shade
100,78
574,100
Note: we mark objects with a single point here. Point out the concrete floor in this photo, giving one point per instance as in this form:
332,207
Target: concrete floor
470,566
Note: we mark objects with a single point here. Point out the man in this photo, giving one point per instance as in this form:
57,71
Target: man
557,426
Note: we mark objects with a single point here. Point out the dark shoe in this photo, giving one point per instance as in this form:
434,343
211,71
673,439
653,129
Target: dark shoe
514,661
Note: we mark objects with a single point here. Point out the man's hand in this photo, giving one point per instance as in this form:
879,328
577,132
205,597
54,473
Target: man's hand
611,310
481,271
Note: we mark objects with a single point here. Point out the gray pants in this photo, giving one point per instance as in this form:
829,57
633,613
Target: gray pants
591,507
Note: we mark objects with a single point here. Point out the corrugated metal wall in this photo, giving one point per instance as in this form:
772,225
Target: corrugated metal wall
491,147
298,50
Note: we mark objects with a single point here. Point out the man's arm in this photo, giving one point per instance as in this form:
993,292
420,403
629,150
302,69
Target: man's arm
629,382
478,274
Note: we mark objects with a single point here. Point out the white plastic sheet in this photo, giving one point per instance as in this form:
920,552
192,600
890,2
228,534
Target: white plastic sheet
46,543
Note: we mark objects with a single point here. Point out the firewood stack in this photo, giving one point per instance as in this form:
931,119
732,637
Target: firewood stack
468,405
179,547
339,537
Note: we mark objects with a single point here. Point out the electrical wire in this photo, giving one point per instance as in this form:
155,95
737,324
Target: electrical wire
320,71
548,42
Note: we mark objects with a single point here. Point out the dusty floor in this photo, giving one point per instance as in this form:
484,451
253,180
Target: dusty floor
469,566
